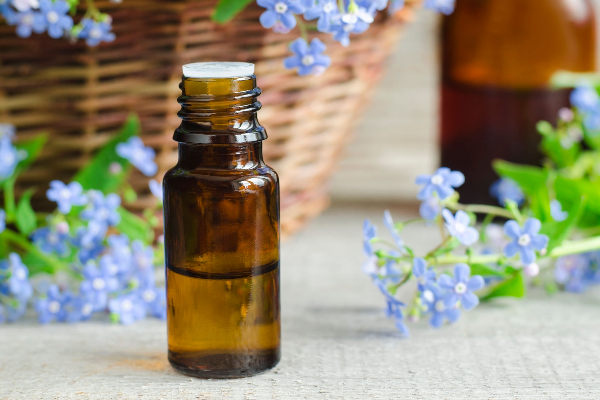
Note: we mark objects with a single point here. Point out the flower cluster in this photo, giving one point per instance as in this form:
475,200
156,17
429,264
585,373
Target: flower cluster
52,16
108,270
340,19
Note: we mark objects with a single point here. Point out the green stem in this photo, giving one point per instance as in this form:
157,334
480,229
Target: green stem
302,27
567,248
341,6
482,209
26,245
514,209
9,199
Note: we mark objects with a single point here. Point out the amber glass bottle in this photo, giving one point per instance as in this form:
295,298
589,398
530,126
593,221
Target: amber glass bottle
221,230
498,58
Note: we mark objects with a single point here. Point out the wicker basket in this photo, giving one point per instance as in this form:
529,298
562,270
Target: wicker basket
81,95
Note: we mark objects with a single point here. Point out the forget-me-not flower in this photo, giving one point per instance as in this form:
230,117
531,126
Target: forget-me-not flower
103,209
28,22
155,300
55,17
128,308
18,284
507,189
25,5
525,240
389,224
461,287
99,282
51,240
343,25
96,32
324,10
423,273
143,258
440,183
433,301
66,196
369,233
280,10
430,208
393,309
51,307
9,157
156,189
577,272
89,240
308,59
458,226
557,212
444,6
585,98
140,156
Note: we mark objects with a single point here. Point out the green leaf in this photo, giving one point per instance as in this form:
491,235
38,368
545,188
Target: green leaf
135,227
532,181
571,191
96,174
513,287
552,146
559,231
226,10
26,219
484,270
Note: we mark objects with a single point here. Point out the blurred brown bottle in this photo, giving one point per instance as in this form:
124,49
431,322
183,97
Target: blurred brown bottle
498,58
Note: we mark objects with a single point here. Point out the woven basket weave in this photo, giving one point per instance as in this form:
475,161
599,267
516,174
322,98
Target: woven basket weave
81,95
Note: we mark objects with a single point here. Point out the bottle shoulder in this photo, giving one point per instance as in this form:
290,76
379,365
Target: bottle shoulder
259,177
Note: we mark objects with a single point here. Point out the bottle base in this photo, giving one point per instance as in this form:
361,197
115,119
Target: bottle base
224,365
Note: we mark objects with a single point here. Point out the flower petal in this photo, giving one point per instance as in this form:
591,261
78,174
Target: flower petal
476,282
512,229
448,216
419,267
462,272
267,20
527,255
511,249
469,237
532,226
446,282
462,217
455,179
539,242
469,301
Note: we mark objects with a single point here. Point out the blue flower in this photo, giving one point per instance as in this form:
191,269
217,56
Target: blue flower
2,220
371,267
51,240
7,130
369,233
99,282
440,183
78,308
143,259
586,99
394,309
433,301
524,241
96,32
14,311
9,157
592,120
127,308
27,22
389,224
395,6
155,300
66,196
507,189
430,208
461,287
25,5
121,253
156,189
103,209
308,59
280,10
443,6
423,274
140,156
343,25
89,240
51,307
459,227
56,18
18,284
378,5
577,272
324,10
557,212
389,273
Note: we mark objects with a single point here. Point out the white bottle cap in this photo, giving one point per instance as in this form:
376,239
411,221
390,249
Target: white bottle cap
218,70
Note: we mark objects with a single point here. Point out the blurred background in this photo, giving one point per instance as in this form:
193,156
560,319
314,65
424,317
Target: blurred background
398,136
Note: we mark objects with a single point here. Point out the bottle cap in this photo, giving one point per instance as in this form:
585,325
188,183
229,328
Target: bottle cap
218,70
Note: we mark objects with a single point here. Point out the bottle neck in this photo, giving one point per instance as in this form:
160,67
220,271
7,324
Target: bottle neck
219,111
220,156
